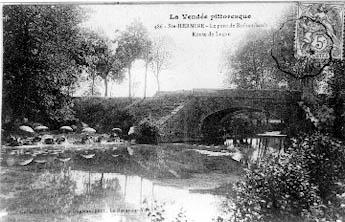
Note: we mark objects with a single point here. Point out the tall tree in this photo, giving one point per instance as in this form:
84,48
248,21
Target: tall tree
40,60
147,60
160,57
131,45
251,65
101,59
109,66
88,46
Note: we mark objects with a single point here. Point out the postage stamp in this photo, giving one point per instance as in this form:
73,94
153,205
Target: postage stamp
319,30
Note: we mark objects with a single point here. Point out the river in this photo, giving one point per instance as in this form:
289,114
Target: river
95,196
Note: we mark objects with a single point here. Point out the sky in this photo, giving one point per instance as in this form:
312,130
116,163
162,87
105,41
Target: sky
196,61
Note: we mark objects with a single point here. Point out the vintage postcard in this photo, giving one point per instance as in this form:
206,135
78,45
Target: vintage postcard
172,111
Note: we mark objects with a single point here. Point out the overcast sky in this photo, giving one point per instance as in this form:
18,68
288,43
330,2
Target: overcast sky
196,61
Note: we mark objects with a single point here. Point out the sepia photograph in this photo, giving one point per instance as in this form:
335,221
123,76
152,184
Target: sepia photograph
172,111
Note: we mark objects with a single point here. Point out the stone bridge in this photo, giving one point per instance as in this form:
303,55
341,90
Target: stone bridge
195,113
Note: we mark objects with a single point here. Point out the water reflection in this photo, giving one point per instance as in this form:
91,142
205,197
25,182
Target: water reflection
93,196
48,193
133,191
252,149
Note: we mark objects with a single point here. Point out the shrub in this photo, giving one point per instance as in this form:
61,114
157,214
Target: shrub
103,114
326,212
321,116
147,132
302,184
324,158
277,189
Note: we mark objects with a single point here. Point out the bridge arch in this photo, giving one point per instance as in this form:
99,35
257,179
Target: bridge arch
216,125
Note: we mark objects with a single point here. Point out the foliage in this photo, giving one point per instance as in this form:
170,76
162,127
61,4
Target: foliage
147,132
321,116
181,216
155,212
101,59
41,60
147,58
239,125
324,157
277,189
132,45
326,212
131,42
336,98
103,114
298,184
92,89
159,57
250,66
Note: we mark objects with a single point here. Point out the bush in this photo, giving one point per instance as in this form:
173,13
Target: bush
324,158
278,189
302,184
104,114
147,132
326,212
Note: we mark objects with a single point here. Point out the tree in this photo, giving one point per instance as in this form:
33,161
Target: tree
40,60
250,66
131,46
108,66
92,89
147,59
101,60
160,57
89,44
